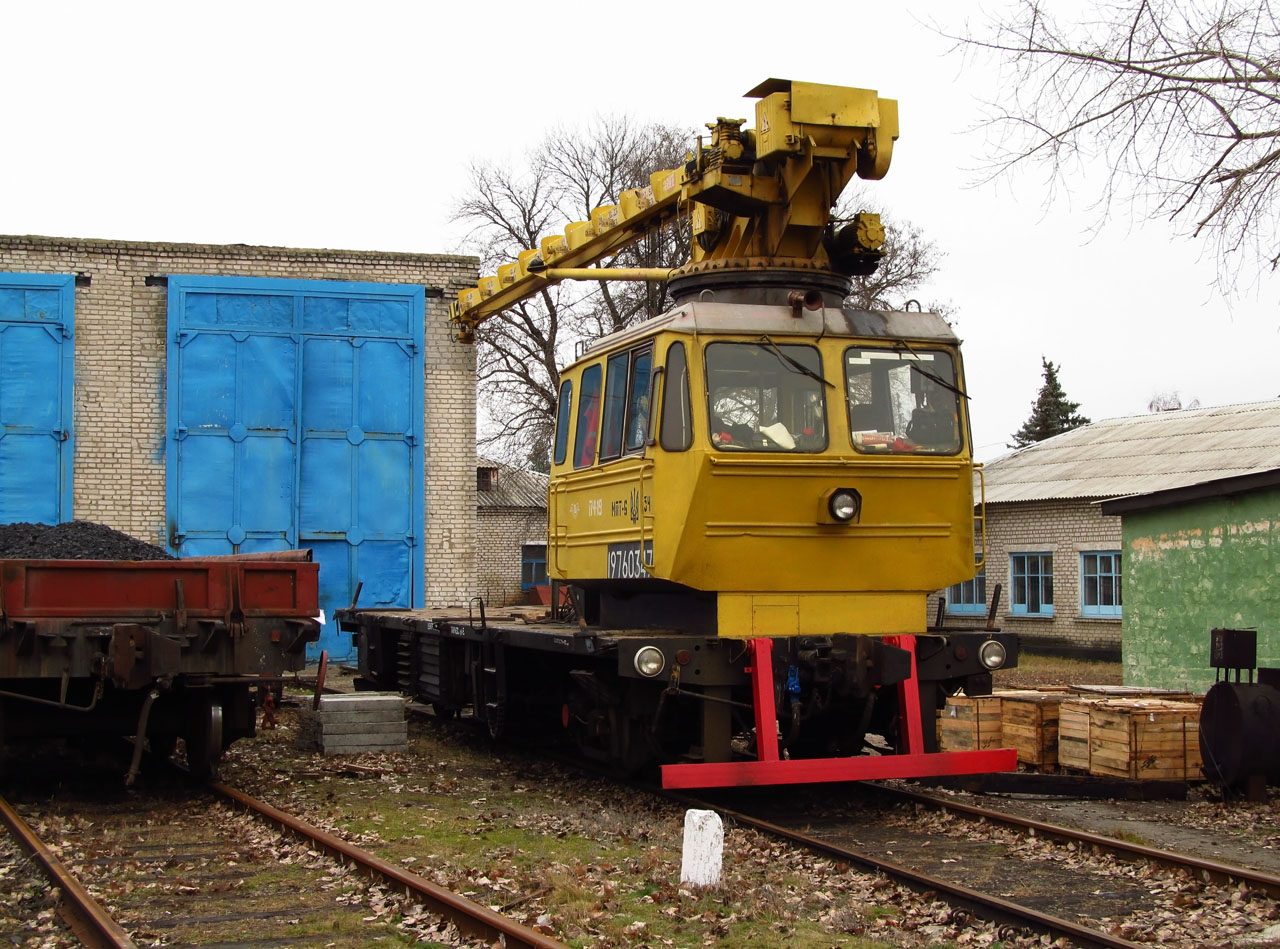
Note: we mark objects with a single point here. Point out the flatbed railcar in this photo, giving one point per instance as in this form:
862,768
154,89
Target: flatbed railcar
158,649
751,496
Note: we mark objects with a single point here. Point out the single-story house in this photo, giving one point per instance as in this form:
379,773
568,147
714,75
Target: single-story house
511,539
1060,561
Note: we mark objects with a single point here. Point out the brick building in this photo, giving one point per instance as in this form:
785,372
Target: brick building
227,398
511,523
1059,560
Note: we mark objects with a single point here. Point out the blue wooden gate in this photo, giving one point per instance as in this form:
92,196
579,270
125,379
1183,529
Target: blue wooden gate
295,420
37,358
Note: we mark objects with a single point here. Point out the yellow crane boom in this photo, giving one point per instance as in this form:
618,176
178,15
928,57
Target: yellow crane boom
755,198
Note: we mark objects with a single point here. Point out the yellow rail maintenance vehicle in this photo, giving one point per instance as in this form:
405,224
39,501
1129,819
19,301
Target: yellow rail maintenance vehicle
751,496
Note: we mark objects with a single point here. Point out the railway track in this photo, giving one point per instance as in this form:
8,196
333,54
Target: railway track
1210,871
200,867
1028,874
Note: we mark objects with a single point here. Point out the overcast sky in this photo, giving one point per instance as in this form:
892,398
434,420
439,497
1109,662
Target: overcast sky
351,126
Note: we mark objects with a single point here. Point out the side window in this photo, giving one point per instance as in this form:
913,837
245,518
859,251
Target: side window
969,596
1100,583
588,427
626,403
1032,578
533,566
563,406
638,400
677,430
615,395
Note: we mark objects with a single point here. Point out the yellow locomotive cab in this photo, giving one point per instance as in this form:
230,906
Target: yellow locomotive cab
698,458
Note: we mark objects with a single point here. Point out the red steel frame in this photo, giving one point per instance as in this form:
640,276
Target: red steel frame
769,768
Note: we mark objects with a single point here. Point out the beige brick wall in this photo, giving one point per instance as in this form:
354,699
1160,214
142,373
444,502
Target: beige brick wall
502,533
1064,528
120,378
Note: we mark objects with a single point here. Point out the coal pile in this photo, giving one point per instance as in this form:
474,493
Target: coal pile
73,540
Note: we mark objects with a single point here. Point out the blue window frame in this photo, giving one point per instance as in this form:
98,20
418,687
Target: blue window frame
533,566
1100,583
969,597
1031,576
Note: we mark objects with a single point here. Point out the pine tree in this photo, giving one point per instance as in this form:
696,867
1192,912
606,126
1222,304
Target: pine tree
1052,413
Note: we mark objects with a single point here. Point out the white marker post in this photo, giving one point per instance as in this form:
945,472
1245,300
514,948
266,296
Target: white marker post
703,848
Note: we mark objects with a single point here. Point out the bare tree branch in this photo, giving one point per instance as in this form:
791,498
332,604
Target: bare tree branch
910,260
569,174
1178,102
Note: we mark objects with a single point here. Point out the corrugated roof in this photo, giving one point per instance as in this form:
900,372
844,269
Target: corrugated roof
513,487
1138,454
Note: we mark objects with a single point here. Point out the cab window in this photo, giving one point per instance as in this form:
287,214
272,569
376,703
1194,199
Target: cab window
638,400
677,429
902,402
563,407
587,430
626,403
764,396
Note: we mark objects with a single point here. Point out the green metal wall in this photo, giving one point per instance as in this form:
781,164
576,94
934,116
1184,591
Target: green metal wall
1192,567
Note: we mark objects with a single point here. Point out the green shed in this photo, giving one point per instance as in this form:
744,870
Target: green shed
1197,557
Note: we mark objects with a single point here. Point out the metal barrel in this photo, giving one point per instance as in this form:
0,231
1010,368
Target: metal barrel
1240,733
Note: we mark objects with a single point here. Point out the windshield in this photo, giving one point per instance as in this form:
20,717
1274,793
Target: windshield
902,401
766,397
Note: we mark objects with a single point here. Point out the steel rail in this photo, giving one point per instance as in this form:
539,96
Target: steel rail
471,918
88,919
1212,870
981,904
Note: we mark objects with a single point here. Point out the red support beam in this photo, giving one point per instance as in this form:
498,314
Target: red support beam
762,696
769,769
909,699
820,770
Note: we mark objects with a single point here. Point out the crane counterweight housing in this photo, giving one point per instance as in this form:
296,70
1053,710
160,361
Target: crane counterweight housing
751,497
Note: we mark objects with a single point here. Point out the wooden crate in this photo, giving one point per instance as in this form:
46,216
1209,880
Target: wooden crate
1151,739
1073,731
970,724
1029,725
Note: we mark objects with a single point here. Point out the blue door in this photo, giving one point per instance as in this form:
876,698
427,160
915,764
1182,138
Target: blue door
37,356
295,420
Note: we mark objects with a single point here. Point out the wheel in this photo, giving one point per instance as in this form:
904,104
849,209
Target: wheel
444,712
204,740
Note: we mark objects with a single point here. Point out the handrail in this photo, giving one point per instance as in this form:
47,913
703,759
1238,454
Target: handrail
982,516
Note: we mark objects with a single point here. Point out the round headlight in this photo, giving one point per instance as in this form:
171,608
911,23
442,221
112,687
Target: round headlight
649,661
843,505
991,654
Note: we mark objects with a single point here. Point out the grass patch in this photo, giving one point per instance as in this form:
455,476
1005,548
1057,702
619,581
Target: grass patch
1130,837
1036,669
589,864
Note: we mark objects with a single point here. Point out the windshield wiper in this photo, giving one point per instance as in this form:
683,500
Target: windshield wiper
951,387
796,366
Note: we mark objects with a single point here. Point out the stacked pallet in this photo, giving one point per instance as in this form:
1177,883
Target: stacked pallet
1073,731
1029,725
970,723
1144,739
355,723
975,723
